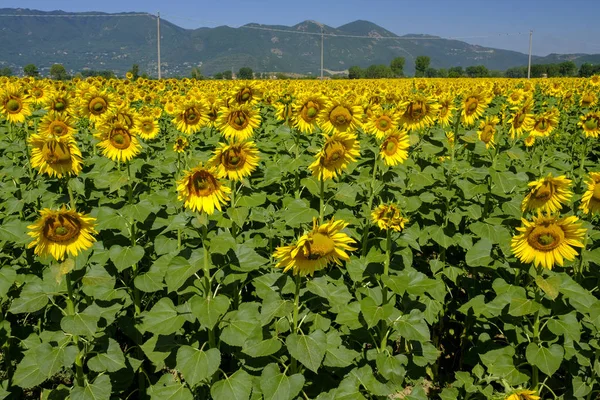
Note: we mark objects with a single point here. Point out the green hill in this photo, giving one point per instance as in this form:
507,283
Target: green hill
117,42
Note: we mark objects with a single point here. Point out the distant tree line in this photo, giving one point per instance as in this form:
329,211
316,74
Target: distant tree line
567,68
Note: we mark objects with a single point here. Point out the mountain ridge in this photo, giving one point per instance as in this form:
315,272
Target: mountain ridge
115,42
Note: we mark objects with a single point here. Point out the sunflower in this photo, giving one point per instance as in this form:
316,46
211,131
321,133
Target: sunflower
588,99
284,109
547,240
61,102
57,125
418,112
516,97
60,232
522,120
129,75
55,156
236,160
39,92
191,116
388,216
340,115
245,94
307,112
201,190
487,130
147,127
316,249
394,148
446,111
474,104
118,142
14,105
590,201
529,141
339,150
547,194
523,394
181,143
594,80
544,123
238,123
381,122
96,104
590,124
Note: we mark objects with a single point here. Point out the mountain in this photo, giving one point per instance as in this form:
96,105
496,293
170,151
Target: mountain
116,42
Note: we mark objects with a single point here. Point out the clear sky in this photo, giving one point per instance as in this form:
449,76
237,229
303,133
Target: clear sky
560,26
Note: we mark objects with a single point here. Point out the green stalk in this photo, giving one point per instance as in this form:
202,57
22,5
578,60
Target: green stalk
81,355
384,290
296,173
298,280
137,302
536,336
233,225
71,196
582,162
370,207
207,281
322,200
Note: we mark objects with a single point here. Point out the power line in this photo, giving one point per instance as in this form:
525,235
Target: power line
78,15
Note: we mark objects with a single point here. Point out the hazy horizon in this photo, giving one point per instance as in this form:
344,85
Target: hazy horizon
557,29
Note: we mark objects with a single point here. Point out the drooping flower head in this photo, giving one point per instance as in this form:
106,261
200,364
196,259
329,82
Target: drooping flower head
590,201
61,232
55,156
339,150
548,240
201,190
388,216
547,194
236,160
323,245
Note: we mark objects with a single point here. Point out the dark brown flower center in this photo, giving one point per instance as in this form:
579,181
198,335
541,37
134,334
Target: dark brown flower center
390,146
234,158
546,237
61,228
97,105
340,116
203,183
56,153
238,120
120,138
545,192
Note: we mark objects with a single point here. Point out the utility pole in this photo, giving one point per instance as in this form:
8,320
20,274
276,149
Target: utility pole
322,40
158,42
529,64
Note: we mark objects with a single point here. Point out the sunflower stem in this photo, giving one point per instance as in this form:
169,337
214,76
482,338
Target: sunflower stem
536,332
71,311
298,280
71,195
582,163
322,200
365,237
296,173
233,224
207,280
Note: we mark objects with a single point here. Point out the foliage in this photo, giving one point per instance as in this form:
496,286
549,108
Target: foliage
245,73
397,66
174,304
421,65
31,70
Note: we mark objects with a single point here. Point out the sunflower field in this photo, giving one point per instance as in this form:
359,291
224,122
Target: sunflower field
236,240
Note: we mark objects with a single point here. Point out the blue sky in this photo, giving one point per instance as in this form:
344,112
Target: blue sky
559,26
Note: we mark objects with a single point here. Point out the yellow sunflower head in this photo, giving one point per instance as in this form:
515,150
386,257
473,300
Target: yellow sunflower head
146,127
118,142
523,394
340,115
381,122
547,194
588,99
14,105
201,190
62,232
235,161
419,112
545,123
97,104
247,93
388,216
60,101
521,120
590,201
473,105
548,240
57,125
338,151
181,143
487,131
191,116
39,91
394,148
307,112
316,249
237,123
590,123
54,156
446,110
